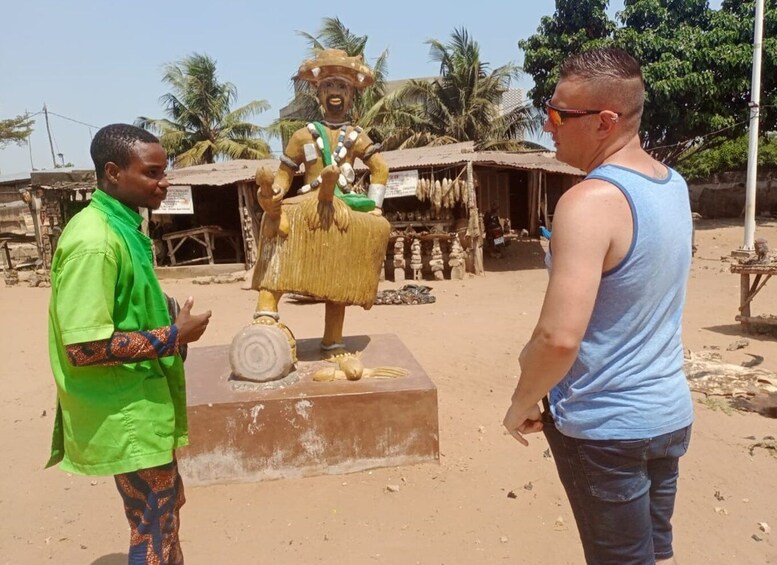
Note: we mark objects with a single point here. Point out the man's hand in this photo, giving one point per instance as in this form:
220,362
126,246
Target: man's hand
522,423
191,326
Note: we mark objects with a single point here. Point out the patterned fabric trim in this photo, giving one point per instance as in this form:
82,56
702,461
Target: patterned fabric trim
152,502
125,347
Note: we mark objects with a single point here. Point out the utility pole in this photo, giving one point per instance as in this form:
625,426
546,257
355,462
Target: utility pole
752,148
48,130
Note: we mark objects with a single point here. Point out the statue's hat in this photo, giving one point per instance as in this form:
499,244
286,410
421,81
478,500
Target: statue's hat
336,63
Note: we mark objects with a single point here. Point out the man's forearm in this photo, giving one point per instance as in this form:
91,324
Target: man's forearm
125,347
543,365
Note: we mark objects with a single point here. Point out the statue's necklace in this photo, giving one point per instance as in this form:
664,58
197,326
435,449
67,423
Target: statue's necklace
344,144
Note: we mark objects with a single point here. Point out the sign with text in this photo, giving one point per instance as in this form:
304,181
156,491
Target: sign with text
401,183
178,201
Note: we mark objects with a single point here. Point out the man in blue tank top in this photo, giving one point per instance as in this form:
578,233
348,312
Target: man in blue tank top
607,349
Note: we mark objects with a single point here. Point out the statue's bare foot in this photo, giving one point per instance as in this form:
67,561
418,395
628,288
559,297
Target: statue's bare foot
334,351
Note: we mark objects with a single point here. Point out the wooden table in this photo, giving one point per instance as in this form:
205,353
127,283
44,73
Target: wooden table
748,292
206,237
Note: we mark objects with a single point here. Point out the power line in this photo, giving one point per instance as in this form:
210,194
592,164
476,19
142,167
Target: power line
700,137
72,120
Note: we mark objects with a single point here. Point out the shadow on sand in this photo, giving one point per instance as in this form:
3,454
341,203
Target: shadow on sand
756,332
521,255
112,559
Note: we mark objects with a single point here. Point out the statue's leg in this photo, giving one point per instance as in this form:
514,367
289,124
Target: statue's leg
332,343
267,307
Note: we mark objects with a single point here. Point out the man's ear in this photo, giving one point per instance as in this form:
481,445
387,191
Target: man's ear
112,172
607,122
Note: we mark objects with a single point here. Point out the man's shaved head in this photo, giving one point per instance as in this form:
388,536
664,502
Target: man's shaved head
612,77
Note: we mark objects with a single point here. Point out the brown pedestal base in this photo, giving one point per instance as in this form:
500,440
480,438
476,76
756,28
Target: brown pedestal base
241,432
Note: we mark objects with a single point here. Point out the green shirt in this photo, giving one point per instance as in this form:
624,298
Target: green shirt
111,419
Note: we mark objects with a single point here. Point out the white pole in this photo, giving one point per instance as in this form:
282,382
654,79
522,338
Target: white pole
752,149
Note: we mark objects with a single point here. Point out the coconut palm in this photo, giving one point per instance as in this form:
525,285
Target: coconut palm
202,127
462,105
305,106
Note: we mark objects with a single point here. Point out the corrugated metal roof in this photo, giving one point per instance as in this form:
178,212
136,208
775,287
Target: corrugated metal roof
460,153
220,174
14,178
69,178
228,172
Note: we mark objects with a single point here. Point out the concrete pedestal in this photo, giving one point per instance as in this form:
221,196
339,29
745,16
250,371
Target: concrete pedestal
242,432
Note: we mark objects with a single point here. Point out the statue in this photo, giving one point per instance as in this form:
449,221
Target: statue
416,262
436,262
399,259
328,242
456,260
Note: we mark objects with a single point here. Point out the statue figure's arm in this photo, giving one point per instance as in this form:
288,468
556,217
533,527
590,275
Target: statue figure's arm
369,153
272,188
291,158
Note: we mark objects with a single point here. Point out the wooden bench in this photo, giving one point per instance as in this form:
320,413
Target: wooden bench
204,236
748,292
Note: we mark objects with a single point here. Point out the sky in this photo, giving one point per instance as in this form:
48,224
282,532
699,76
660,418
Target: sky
99,62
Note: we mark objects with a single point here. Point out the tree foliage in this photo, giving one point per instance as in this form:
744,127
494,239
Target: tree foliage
15,130
696,62
729,155
305,105
576,25
202,127
463,104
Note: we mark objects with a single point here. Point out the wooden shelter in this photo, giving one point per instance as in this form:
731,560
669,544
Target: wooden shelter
221,194
62,193
526,186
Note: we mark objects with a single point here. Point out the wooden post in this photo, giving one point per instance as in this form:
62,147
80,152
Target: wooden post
473,229
744,302
544,191
249,223
534,200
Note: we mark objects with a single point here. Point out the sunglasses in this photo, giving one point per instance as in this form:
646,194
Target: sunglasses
557,115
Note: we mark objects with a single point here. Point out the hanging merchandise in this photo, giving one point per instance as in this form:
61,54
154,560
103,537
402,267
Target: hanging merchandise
419,190
437,195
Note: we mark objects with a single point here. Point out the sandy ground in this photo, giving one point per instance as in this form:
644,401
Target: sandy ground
454,512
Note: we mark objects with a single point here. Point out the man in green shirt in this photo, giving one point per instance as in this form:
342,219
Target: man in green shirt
114,348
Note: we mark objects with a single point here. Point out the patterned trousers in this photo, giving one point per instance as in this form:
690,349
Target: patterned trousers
152,501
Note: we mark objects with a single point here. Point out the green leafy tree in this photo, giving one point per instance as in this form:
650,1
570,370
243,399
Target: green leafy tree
202,127
696,62
688,95
729,155
463,104
15,130
576,25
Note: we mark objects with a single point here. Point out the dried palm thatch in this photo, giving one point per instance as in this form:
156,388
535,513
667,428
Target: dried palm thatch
331,253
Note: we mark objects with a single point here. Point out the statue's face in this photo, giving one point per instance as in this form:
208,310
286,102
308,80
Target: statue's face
335,95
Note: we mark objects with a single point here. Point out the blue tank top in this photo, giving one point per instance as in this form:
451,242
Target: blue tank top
628,380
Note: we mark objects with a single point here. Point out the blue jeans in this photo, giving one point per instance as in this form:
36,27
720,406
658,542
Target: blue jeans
622,493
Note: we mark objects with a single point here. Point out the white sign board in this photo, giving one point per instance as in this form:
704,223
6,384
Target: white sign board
178,201
401,183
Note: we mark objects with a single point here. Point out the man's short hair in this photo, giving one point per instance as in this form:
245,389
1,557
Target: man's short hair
604,66
602,63
114,142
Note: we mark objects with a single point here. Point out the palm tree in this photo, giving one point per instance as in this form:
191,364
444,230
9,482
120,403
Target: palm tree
462,105
305,106
201,126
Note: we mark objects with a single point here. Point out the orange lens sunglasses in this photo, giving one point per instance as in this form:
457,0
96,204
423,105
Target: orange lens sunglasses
557,115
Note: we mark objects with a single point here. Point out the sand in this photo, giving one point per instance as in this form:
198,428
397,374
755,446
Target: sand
454,512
